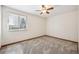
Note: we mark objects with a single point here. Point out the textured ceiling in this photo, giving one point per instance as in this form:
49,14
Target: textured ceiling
58,9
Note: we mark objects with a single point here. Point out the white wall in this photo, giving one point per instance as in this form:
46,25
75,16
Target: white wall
78,23
0,25
63,26
36,27
78,27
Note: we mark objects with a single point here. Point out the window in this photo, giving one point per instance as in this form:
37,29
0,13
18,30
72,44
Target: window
17,22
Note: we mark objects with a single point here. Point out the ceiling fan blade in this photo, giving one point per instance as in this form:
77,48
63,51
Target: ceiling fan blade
50,8
43,6
37,10
47,12
41,13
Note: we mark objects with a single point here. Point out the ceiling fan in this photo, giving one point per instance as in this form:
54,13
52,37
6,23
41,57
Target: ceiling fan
45,9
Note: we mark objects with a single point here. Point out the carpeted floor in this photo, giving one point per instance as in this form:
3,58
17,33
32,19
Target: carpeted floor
41,45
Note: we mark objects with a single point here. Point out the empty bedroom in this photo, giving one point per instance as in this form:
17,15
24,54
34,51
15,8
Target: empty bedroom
39,29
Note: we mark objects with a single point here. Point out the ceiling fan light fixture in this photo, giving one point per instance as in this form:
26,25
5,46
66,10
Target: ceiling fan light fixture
45,9
48,6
